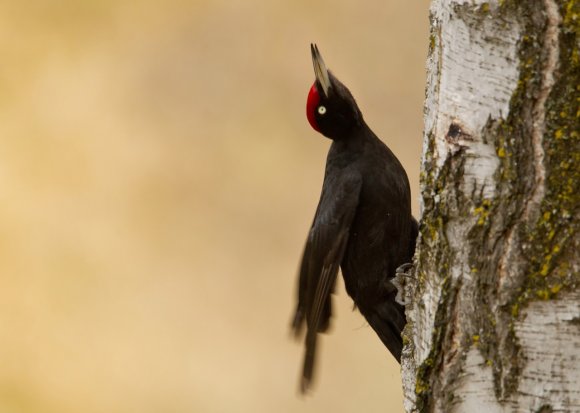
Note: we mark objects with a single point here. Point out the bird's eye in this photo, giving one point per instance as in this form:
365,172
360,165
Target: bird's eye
321,110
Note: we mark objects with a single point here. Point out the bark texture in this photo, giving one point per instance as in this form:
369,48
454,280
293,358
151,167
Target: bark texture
494,324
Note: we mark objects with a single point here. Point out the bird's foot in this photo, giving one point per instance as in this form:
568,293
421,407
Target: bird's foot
402,281
403,270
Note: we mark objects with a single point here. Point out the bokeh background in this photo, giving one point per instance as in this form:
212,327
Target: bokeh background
157,180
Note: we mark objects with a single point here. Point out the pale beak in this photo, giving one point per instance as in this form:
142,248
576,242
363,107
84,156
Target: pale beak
320,69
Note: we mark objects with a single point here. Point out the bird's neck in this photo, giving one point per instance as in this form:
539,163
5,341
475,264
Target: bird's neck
355,139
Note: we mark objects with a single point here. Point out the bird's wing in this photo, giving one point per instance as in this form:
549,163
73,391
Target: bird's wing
323,254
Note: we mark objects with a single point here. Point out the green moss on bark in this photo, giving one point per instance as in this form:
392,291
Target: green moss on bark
548,241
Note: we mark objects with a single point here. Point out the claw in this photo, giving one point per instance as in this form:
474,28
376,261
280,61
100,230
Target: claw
404,268
401,280
399,298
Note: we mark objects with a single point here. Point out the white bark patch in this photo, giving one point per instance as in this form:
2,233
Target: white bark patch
423,326
549,336
476,386
456,233
480,165
409,397
477,70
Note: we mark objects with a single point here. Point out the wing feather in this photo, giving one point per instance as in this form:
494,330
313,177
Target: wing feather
322,256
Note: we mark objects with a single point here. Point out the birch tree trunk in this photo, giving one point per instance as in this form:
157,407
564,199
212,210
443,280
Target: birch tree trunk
494,319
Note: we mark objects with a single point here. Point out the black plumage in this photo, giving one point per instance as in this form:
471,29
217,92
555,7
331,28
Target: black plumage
363,222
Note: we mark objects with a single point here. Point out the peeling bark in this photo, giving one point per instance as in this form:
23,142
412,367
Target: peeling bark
494,324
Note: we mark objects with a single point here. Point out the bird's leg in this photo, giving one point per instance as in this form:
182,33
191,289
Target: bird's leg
404,282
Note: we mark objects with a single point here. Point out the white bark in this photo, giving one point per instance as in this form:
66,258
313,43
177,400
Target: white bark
495,320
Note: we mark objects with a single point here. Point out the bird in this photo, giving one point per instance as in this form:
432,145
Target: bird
363,223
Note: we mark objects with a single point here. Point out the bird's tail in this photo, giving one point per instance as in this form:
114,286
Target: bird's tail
388,320
309,360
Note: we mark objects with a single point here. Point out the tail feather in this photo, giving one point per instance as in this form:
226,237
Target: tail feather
309,360
388,320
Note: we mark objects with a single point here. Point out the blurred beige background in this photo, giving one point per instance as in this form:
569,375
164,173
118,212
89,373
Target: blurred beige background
157,180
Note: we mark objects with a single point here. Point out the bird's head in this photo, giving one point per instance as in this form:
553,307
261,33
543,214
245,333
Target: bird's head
330,108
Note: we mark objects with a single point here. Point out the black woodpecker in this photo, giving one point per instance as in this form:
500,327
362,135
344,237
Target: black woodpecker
363,222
